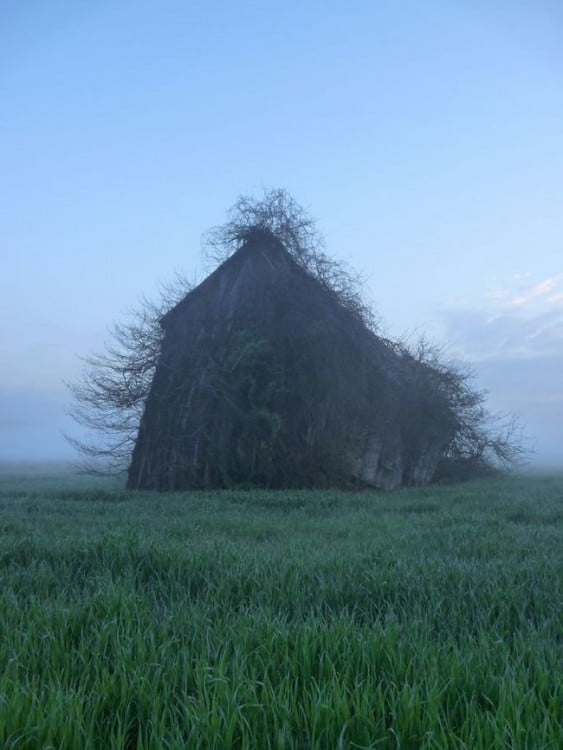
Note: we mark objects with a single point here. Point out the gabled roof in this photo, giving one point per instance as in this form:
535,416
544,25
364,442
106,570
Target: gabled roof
246,283
261,252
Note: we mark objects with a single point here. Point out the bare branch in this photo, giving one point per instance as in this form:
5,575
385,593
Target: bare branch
280,215
109,399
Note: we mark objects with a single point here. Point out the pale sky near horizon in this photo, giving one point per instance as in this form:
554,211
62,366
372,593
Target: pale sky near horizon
425,137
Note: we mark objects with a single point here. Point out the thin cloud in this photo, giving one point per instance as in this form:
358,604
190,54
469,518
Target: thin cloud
527,324
537,292
515,342
480,335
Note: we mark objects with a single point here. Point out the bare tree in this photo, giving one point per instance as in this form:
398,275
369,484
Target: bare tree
481,441
109,399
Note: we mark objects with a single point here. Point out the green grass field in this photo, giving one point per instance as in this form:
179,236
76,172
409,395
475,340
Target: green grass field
425,618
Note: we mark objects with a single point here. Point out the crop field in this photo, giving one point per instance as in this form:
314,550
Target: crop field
423,618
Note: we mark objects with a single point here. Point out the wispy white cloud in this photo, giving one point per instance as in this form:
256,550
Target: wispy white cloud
514,339
480,335
536,292
508,324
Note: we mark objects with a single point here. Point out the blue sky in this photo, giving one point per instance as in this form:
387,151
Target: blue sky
425,137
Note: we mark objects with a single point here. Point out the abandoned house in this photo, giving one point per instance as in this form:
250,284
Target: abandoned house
266,379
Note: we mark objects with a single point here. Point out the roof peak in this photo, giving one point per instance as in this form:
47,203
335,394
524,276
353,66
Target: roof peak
260,234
